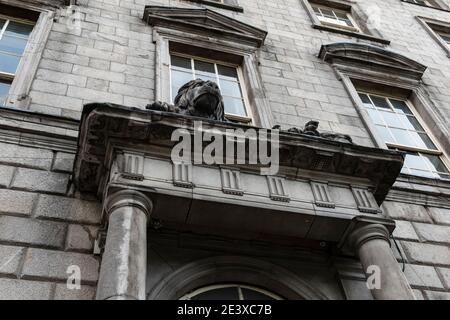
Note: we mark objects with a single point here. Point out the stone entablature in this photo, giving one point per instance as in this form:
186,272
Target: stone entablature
325,183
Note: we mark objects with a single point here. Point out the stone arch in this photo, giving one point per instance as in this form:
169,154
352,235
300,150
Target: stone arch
234,269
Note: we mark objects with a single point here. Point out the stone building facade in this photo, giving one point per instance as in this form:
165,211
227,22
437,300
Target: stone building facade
86,181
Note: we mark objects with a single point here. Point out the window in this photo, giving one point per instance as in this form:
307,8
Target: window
401,129
224,4
185,68
438,30
230,292
200,43
344,17
14,36
445,37
436,4
335,17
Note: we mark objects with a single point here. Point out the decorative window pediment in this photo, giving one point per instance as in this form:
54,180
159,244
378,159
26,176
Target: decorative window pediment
369,59
204,21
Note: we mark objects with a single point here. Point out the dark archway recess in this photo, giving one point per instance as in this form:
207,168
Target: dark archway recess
237,269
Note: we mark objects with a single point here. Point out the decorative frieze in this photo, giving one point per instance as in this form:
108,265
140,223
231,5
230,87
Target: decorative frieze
182,174
365,200
133,166
322,195
277,189
231,182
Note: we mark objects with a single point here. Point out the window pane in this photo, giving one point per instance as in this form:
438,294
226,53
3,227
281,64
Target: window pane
385,134
426,142
411,123
365,99
181,62
391,119
436,163
230,88
380,102
328,13
230,293
13,45
18,29
179,78
8,63
206,77
227,72
375,116
415,161
316,9
4,89
234,106
400,106
204,67
402,137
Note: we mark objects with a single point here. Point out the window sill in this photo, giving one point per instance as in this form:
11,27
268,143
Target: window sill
425,6
351,33
219,5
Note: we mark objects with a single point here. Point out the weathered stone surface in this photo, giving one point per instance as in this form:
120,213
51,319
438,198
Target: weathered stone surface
418,294
422,276
37,180
16,202
6,174
81,237
12,289
32,232
54,264
440,215
445,275
406,211
63,293
433,233
63,162
405,231
435,295
427,253
10,257
69,209
25,156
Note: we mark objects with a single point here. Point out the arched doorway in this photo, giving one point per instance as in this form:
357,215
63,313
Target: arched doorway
232,272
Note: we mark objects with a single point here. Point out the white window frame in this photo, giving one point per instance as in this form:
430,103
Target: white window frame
440,151
258,106
21,83
6,75
249,118
430,25
354,26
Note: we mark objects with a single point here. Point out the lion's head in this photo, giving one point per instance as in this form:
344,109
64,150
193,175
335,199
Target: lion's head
202,99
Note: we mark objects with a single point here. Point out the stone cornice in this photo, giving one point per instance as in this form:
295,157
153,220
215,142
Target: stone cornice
106,125
369,57
204,21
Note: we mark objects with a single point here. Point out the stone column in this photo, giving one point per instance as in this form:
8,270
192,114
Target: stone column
124,262
371,243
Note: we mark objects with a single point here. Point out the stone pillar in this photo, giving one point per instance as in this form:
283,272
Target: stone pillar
371,243
124,262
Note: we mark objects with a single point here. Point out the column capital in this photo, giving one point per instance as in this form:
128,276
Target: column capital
128,198
366,233
363,229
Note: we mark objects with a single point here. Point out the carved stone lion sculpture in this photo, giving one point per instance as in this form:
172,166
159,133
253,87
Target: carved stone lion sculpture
311,129
196,98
